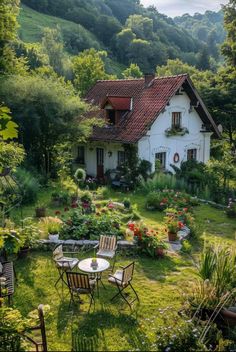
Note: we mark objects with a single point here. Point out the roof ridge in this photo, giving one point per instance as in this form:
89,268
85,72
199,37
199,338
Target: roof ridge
140,79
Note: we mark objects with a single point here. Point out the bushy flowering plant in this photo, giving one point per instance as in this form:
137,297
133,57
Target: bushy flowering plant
173,224
148,239
167,198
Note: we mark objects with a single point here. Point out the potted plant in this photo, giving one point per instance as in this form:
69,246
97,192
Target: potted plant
173,225
40,210
53,230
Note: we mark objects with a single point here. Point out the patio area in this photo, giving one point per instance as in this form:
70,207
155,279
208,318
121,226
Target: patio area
109,325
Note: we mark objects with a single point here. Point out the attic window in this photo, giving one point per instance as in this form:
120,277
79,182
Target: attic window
176,120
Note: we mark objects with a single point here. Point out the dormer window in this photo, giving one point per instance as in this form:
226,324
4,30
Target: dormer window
116,108
176,120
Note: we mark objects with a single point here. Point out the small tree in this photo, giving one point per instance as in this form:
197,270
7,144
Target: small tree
133,71
88,67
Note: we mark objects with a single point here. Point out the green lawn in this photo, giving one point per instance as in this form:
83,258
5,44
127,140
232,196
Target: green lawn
112,326
32,24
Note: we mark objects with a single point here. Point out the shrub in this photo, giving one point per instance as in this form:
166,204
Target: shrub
80,175
89,226
126,203
30,232
161,200
29,185
86,197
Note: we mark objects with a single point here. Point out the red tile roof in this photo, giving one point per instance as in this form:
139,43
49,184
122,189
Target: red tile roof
148,103
118,103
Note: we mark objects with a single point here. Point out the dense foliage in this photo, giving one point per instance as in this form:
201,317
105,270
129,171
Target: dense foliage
132,33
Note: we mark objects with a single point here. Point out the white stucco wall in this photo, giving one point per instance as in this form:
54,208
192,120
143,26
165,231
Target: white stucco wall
156,141
110,161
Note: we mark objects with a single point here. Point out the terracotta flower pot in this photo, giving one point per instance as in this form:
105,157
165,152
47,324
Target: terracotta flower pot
40,212
160,252
172,236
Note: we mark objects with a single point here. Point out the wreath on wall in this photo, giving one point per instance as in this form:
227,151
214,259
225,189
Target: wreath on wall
176,158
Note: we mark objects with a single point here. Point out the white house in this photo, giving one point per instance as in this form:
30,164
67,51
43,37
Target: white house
165,118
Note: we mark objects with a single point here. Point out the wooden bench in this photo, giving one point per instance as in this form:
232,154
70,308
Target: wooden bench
7,290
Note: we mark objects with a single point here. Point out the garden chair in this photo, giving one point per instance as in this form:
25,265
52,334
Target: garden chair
7,279
38,340
107,247
122,279
80,284
63,263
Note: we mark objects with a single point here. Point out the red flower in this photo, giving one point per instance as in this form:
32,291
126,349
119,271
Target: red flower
185,209
180,224
74,205
66,209
57,212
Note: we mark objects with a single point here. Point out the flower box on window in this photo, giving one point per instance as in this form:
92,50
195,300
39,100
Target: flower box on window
181,131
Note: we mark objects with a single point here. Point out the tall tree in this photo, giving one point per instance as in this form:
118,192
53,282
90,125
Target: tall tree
229,46
53,46
47,112
9,10
88,67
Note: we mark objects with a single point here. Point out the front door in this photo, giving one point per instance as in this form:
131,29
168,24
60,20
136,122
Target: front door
100,162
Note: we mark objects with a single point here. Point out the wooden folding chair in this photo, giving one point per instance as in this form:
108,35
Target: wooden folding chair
122,279
80,284
63,263
107,247
39,341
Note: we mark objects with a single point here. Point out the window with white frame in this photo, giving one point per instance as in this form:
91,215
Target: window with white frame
192,154
161,157
176,120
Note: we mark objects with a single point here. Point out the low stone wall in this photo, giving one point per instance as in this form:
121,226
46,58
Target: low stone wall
88,244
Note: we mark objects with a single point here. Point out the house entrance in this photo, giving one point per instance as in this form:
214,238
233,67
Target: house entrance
100,162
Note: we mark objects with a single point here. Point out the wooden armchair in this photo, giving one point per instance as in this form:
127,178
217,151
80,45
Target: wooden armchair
63,263
38,340
80,284
122,279
107,247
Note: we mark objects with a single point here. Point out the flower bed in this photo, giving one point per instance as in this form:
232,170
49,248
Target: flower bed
161,200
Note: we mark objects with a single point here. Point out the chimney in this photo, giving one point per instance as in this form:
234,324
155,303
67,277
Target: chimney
148,79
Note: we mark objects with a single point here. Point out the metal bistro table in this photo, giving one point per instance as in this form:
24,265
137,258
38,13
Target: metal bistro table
96,271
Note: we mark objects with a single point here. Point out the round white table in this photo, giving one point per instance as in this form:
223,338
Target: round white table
85,266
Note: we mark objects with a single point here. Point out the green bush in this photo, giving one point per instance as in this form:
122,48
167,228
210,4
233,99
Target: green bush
126,203
29,185
90,226
80,175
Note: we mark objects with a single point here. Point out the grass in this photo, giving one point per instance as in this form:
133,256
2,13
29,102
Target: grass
32,24
112,326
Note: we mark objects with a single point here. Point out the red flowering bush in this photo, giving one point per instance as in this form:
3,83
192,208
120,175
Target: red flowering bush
148,239
164,199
